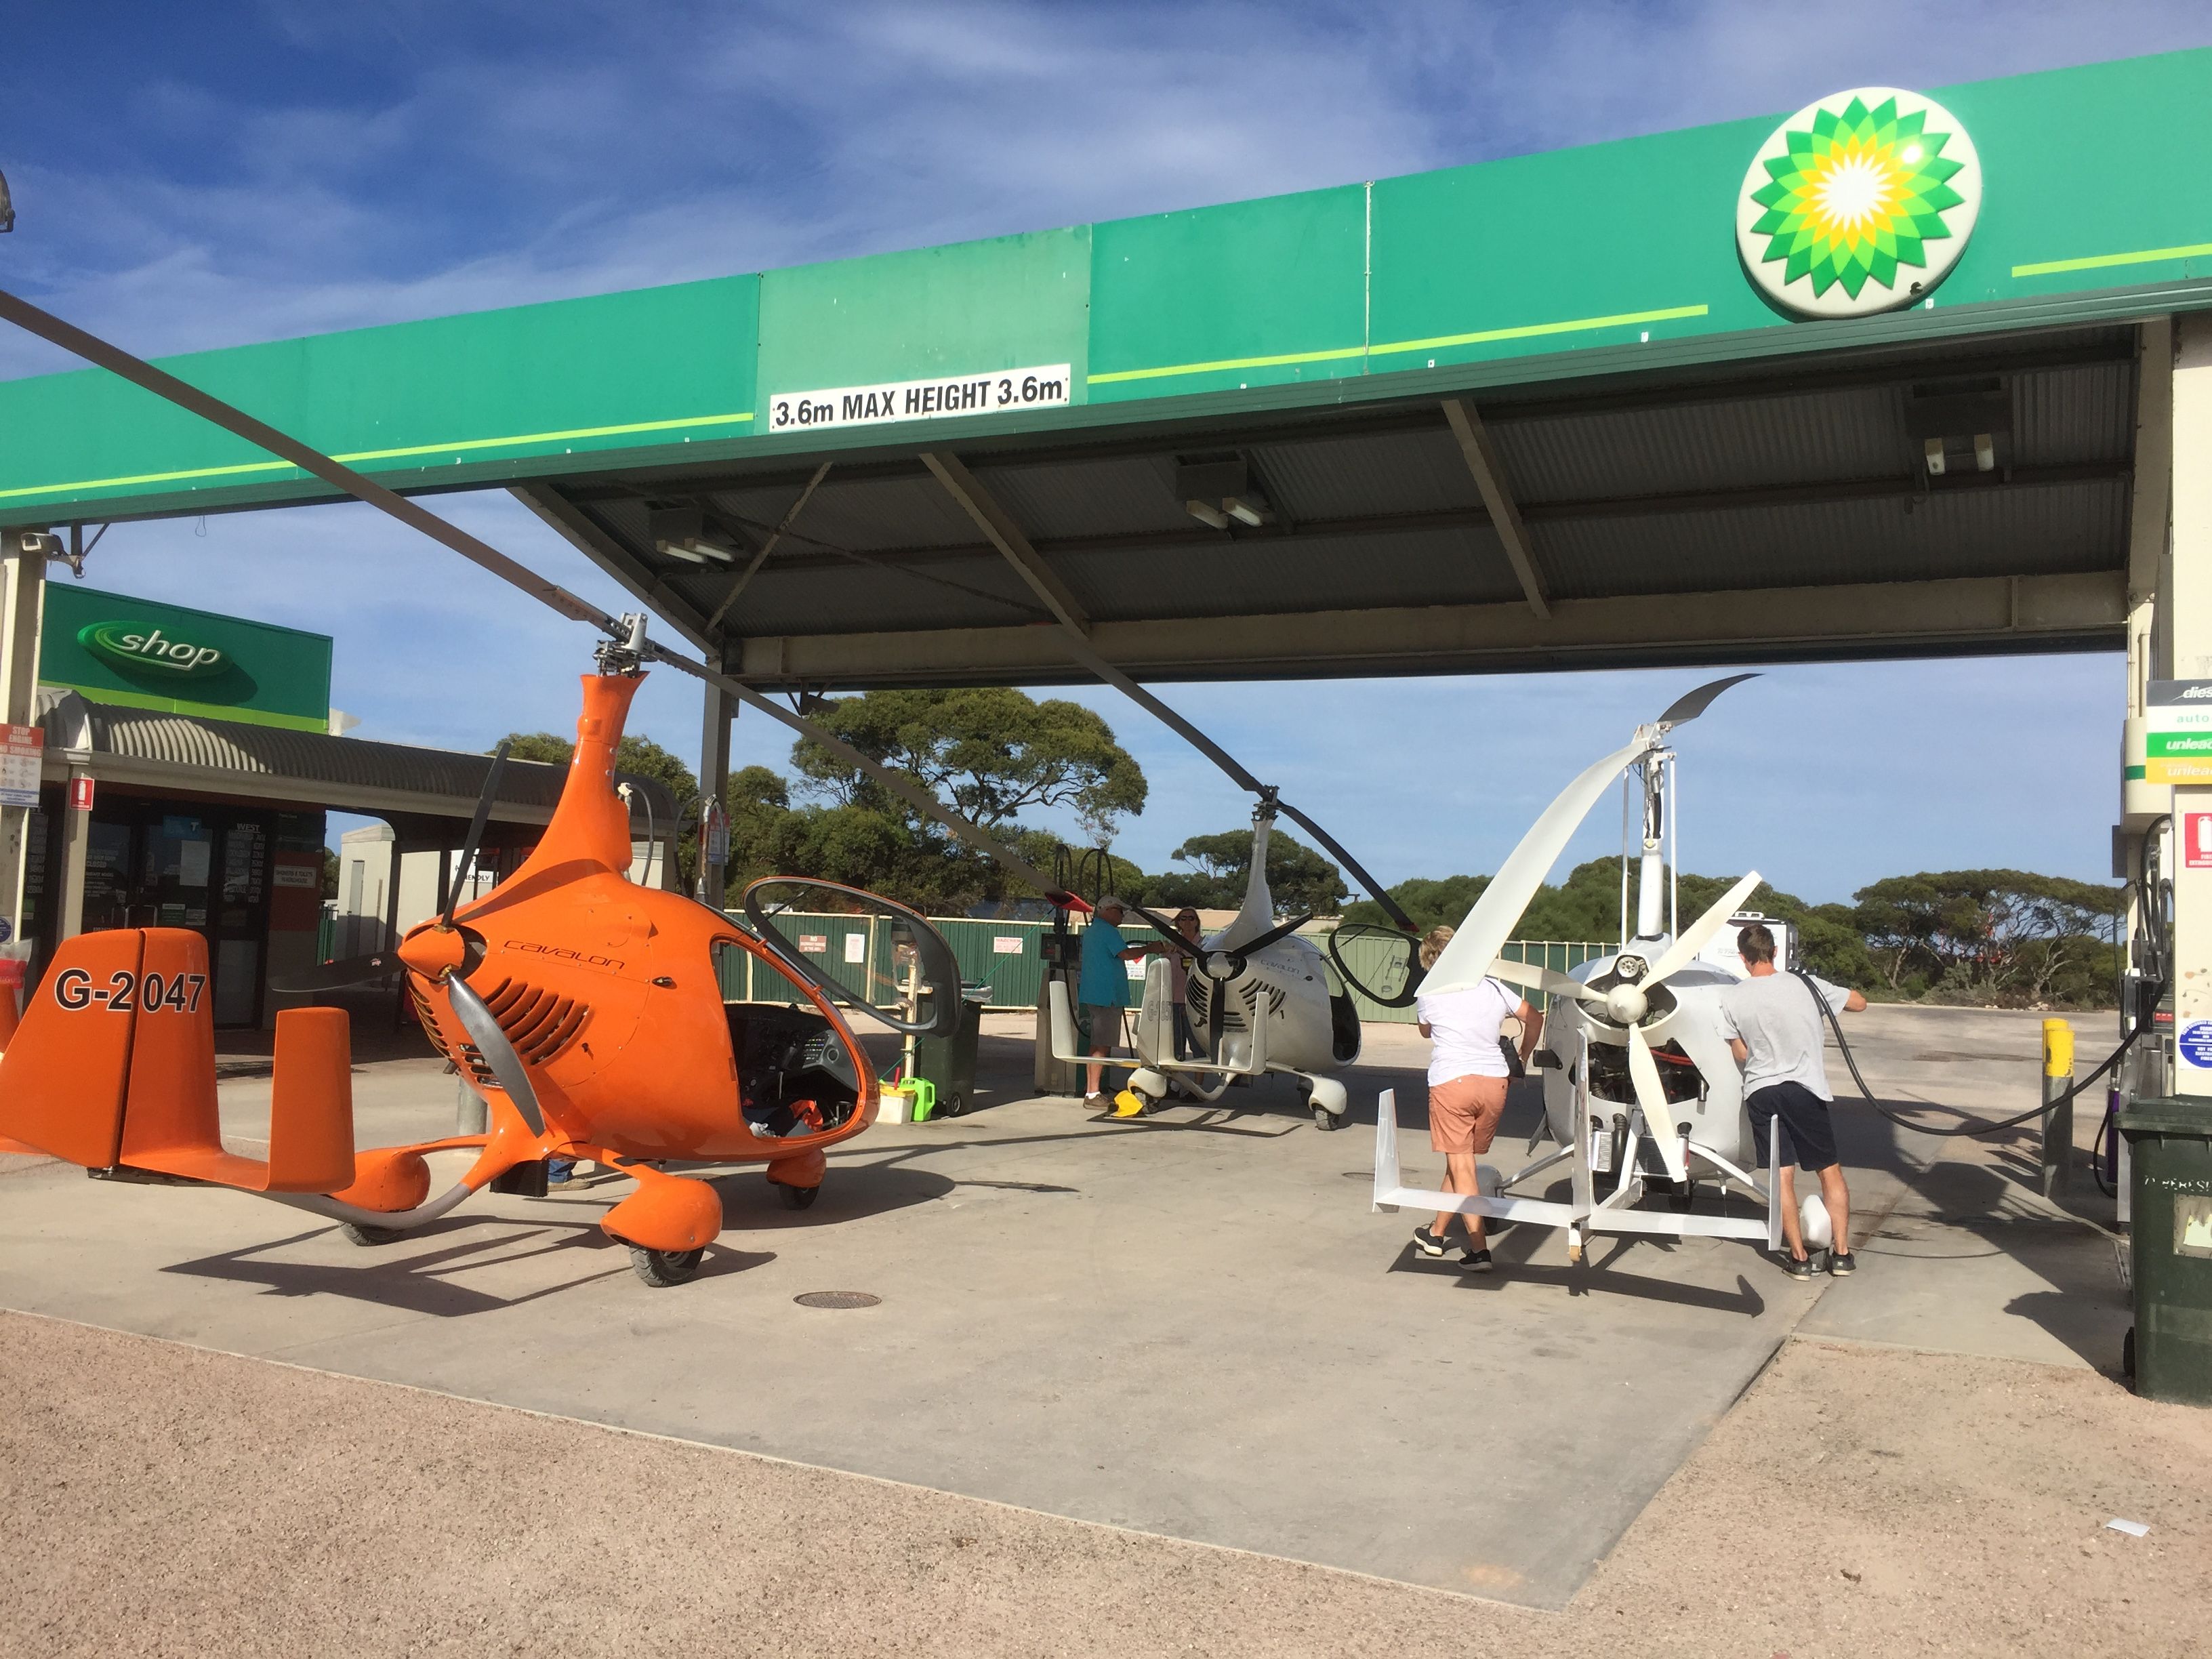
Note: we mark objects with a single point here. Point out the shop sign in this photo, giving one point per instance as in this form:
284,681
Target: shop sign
1045,387
1860,201
143,646
21,750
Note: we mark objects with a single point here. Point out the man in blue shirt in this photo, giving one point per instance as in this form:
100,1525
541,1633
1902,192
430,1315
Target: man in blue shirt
1103,987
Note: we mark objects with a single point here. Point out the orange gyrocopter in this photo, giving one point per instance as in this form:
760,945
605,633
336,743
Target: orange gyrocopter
586,1010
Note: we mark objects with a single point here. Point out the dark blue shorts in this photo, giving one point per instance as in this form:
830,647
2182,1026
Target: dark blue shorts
1808,1133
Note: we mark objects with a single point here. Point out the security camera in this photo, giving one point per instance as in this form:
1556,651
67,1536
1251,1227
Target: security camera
43,545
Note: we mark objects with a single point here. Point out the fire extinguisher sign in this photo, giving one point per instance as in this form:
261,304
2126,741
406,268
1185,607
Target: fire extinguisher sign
2196,841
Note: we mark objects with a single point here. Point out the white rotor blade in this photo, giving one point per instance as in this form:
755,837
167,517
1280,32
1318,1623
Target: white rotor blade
1651,1096
1683,950
1474,947
1530,977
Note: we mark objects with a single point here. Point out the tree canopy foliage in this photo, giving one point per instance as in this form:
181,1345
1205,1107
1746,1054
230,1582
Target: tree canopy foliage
994,753
2000,936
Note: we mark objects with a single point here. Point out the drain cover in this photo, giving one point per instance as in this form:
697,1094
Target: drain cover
837,1299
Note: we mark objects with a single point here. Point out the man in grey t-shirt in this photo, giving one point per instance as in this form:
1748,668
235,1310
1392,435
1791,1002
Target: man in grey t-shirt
1774,1028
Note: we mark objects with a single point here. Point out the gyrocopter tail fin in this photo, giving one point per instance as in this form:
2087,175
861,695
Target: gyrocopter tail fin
113,1067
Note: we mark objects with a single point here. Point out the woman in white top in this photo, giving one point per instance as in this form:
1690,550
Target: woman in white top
1468,1075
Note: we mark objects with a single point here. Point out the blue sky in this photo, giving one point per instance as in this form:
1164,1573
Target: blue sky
204,176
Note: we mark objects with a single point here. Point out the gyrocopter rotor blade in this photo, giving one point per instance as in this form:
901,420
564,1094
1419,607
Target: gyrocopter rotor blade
1530,977
1474,947
1683,950
1651,1096
1691,704
499,1053
331,975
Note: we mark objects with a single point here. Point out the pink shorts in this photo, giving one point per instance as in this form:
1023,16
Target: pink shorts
1463,1113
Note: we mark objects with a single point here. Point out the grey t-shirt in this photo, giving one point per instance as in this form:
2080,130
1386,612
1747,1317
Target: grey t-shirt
1774,1018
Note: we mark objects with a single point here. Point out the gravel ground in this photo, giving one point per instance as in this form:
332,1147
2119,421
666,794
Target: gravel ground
156,1498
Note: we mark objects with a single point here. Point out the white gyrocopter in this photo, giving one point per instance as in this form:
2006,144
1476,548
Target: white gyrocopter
1261,999
1641,1092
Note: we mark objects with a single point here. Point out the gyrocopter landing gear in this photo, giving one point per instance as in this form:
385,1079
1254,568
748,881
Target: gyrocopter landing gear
1325,1097
798,1179
663,1269
360,1233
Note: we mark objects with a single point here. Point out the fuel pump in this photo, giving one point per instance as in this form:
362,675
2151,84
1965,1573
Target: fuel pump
1082,873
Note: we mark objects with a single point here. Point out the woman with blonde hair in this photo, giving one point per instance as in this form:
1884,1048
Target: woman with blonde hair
1468,1074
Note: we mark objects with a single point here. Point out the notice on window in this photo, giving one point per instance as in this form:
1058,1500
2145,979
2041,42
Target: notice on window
1004,946
297,875
1046,387
192,860
21,749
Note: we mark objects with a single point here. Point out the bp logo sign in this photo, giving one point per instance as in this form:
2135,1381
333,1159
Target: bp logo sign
143,647
1858,202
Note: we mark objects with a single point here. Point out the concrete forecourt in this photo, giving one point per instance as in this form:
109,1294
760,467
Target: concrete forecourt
1099,1408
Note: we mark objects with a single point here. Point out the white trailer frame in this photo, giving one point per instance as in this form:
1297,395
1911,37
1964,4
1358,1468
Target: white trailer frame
1587,1213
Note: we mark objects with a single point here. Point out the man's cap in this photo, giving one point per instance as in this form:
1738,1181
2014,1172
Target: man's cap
1111,902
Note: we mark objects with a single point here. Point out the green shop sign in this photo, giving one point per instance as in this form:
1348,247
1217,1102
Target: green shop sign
113,648
139,645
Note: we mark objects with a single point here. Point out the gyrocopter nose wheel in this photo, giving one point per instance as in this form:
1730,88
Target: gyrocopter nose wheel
662,1268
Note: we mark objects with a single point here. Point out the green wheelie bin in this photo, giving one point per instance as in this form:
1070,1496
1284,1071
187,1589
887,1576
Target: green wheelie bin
949,1061
2169,1351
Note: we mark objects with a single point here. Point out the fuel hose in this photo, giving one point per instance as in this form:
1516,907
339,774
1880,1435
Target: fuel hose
1903,1123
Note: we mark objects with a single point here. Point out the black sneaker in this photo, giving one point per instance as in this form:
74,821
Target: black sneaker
1798,1267
1843,1264
1476,1262
1428,1243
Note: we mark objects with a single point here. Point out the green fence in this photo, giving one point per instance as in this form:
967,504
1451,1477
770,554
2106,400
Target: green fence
1006,956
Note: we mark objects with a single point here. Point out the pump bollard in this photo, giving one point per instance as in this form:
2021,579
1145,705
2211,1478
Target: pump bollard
2055,1159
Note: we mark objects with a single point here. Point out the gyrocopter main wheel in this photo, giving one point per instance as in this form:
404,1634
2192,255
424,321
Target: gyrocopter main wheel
364,1234
798,1198
1325,1119
662,1268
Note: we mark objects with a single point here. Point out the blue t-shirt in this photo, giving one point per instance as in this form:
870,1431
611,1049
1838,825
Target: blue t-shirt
1105,981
